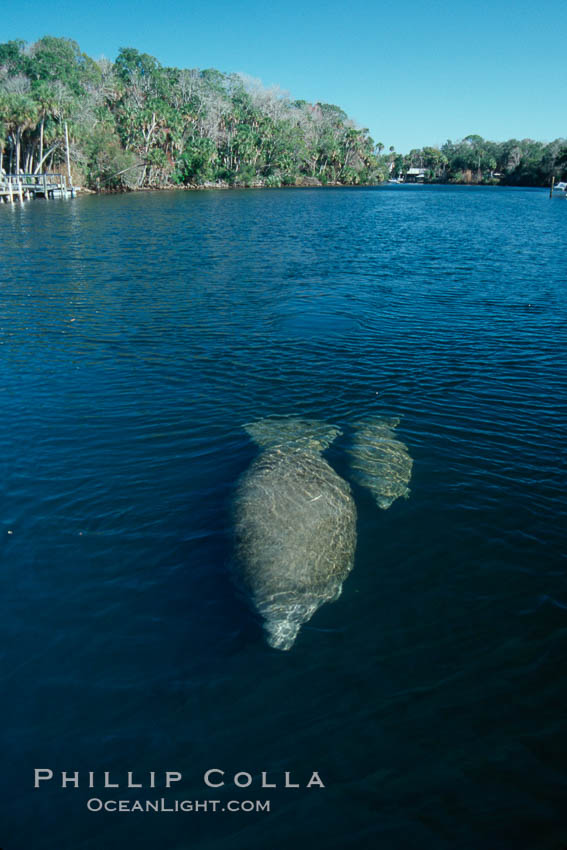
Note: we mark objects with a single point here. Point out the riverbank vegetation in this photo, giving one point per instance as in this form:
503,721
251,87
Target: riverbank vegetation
135,124
477,160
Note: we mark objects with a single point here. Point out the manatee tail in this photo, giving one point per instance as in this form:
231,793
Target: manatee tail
377,424
292,432
379,461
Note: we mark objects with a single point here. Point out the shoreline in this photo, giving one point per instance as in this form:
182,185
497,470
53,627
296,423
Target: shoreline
221,186
206,187
225,187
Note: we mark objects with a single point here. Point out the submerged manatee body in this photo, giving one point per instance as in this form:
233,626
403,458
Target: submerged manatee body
295,526
379,461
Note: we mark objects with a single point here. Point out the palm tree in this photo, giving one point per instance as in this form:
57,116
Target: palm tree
47,103
20,114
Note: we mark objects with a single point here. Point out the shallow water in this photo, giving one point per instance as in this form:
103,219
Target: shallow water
138,334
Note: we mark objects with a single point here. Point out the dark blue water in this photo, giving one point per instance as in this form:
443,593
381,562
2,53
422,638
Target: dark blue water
138,334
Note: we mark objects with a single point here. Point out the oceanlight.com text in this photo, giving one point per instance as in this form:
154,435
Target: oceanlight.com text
95,804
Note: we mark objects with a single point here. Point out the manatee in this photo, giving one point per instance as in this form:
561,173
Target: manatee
294,525
379,461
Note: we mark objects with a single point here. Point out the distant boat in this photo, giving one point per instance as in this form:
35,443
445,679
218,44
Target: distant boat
396,180
561,187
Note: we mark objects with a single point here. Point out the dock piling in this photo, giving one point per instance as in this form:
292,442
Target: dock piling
23,187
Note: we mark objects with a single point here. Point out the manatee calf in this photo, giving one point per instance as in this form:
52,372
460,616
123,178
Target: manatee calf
379,461
295,526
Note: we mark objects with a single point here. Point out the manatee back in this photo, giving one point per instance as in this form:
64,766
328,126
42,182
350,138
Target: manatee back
295,532
379,461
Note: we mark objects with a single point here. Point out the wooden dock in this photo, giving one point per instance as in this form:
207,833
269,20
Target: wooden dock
23,187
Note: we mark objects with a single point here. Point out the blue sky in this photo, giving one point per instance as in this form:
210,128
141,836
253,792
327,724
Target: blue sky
414,73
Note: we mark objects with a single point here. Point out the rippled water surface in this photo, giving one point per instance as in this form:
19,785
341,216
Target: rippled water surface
138,334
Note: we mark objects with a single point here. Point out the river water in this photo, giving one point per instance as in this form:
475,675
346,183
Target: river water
138,334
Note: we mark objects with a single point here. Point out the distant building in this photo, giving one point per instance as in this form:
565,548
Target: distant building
415,175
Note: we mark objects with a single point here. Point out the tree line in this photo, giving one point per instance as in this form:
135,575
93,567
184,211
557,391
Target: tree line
134,123
476,160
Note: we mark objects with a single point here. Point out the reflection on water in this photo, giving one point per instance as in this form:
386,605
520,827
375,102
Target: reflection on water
138,334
